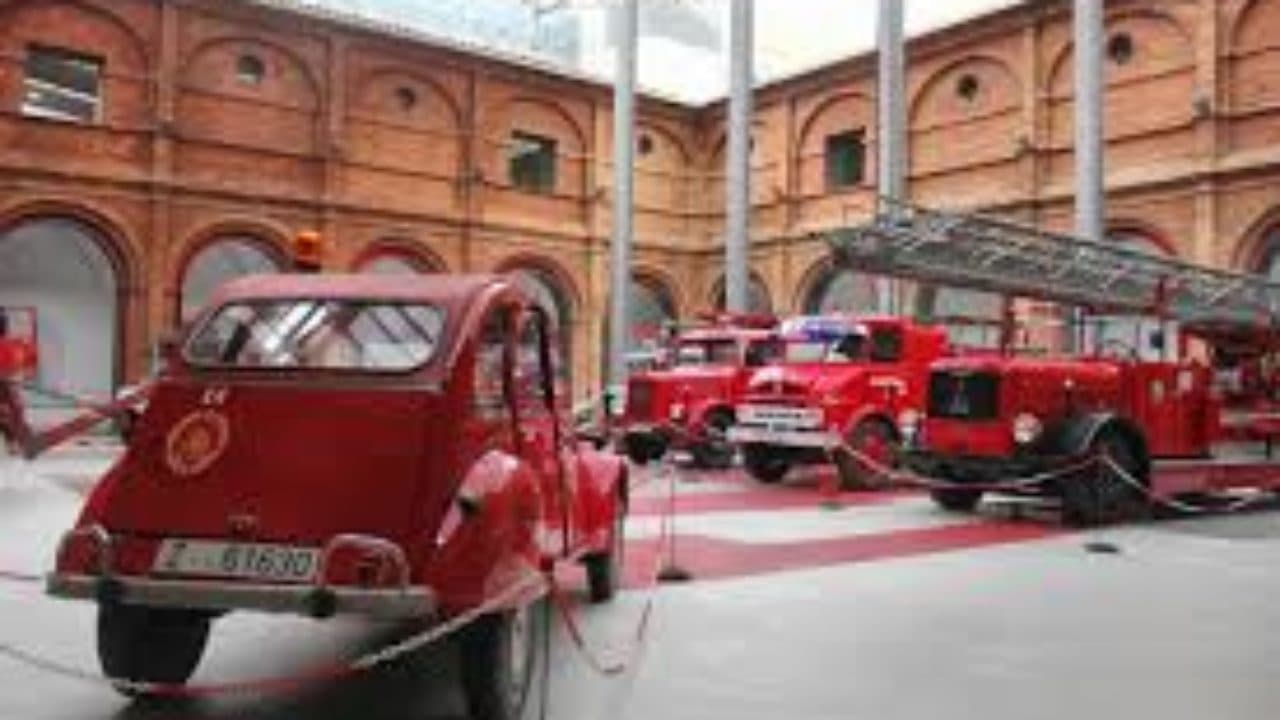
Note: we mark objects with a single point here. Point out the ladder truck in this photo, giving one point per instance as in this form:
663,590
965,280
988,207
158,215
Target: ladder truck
1108,432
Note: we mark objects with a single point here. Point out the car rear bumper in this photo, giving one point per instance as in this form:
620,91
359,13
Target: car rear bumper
804,439
215,595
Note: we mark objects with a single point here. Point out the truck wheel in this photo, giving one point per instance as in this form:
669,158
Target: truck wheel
498,653
1099,494
764,463
604,569
150,645
715,452
958,500
876,440
644,449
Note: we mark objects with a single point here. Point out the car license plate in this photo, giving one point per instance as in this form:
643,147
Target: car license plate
242,561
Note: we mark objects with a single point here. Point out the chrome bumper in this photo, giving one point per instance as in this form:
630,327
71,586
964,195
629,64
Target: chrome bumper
808,439
308,600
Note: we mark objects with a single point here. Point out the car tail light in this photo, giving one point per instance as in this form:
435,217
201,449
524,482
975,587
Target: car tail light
353,560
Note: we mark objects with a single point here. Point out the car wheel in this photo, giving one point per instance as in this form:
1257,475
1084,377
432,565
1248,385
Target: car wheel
714,451
604,569
150,645
877,441
1099,494
765,464
498,652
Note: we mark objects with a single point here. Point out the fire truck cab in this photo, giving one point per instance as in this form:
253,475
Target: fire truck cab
837,379
330,444
689,404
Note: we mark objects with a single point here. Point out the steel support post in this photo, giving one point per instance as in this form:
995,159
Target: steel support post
738,157
624,111
1090,171
892,133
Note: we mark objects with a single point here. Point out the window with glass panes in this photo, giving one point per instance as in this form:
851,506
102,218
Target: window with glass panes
62,85
846,159
533,162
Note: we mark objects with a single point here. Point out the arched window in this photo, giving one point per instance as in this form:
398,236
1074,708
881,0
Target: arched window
219,261
652,308
58,266
395,263
758,300
1123,334
546,290
1268,263
840,290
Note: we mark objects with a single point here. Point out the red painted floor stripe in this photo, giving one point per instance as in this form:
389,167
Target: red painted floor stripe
781,498
709,558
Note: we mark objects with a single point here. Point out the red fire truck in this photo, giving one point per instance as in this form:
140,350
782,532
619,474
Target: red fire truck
322,445
1105,431
689,405
838,379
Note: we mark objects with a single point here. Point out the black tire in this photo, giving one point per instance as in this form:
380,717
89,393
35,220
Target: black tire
604,570
498,653
765,463
957,500
644,449
714,451
853,474
151,645
1098,495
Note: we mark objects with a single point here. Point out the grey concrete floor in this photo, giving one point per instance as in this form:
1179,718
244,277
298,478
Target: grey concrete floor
1182,623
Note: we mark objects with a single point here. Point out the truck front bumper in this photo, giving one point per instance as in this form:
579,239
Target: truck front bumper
784,438
214,595
978,469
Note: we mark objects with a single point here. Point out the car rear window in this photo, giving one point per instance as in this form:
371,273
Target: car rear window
323,334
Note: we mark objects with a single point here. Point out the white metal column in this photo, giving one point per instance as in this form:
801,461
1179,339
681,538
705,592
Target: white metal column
892,131
624,111
738,157
1090,170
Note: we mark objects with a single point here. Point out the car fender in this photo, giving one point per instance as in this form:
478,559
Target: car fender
603,490
493,534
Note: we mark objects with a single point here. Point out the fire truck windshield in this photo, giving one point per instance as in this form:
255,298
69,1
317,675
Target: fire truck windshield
848,348
323,334
707,352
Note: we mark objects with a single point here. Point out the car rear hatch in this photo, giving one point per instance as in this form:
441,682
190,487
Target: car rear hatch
298,464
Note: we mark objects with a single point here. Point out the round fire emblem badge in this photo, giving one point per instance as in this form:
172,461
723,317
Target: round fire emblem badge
196,442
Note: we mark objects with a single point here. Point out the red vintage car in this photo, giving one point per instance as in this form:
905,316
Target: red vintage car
689,405
322,445
839,379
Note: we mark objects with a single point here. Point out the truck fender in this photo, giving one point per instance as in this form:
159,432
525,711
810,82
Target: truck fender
603,489
1073,436
873,413
699,414
492,535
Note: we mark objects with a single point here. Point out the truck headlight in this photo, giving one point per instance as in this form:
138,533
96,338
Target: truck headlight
909,425
1026,428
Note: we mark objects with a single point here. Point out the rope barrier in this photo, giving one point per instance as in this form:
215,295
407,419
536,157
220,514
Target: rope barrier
1177,505
323,673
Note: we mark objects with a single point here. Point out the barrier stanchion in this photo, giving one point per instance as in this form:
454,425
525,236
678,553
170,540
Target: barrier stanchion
672,571
829,487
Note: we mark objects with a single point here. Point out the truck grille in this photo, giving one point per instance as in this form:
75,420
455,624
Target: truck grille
640,399
965,396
